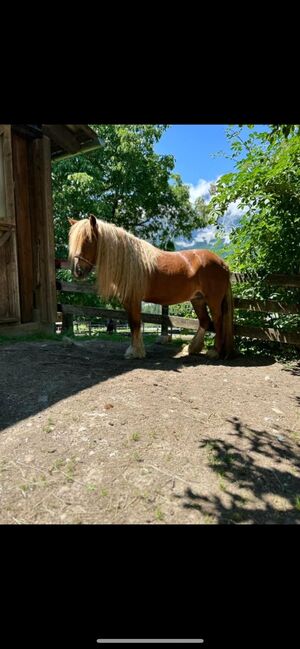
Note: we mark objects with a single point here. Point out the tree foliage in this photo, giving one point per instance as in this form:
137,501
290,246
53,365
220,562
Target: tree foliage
266,184
125,182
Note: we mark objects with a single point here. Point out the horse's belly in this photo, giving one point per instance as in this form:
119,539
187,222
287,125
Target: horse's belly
172,295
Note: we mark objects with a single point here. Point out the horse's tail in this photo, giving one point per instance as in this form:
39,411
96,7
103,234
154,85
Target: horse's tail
227,323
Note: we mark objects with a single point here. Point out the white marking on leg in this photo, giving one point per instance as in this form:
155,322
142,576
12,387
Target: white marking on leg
129,352
196,344
137,349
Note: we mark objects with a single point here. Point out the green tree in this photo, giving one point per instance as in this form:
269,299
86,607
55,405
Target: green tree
125,182
266,184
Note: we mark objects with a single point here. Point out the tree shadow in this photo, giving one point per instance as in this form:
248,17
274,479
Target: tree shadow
35,375
295,370
256,469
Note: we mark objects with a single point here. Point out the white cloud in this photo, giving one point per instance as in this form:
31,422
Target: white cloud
185,244
202,188
231,218
208,235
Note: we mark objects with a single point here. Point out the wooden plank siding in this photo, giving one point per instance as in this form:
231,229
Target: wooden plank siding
42,231
9,281
23,225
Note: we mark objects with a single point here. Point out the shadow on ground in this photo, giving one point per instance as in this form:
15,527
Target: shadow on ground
260,469
35,375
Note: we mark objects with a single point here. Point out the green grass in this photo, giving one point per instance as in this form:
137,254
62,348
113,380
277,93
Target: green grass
159,515
135,437
49,426
246,347
29,338
297,503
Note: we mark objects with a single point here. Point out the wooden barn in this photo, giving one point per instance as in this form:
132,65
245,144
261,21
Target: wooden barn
27,259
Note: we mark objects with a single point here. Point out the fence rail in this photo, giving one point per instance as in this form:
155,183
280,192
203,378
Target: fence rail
166,320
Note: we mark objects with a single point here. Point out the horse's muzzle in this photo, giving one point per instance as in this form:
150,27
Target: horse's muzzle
80,268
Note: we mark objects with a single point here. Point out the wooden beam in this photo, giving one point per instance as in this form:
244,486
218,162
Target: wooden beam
267,306
9,280
43,230
281,336
82,128
61,136
283,280
274,279
73,287
91,312
23,225
48,231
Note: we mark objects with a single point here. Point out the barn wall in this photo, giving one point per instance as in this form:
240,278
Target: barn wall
42,231
20,149
9,284
27,257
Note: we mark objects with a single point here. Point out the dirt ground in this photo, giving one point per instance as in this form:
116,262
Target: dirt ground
89,437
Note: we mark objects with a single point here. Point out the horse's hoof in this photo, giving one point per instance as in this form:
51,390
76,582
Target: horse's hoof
185,349
212,354
193,351
133,353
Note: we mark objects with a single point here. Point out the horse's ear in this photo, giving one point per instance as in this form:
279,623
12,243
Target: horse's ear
93,220
72,221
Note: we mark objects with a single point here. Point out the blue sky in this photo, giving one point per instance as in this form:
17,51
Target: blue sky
194,147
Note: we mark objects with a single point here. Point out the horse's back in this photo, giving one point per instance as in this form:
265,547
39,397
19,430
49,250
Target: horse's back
184,274
206,258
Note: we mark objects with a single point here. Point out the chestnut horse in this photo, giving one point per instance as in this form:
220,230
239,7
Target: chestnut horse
134,271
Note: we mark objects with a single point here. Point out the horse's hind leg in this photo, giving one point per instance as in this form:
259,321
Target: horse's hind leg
136,349
216,314
197,343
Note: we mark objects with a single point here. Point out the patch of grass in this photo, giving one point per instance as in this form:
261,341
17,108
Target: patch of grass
159,515
135,437
153,434
103,492
49,426
29,338
209,519
2,466
222,484
36,482
68,465
297,503
70,470
91,487
25,487
58,464
137,457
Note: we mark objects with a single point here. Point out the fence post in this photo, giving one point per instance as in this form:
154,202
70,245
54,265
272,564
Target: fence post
67,324
164,326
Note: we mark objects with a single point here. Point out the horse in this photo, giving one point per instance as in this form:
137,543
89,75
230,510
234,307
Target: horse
134,270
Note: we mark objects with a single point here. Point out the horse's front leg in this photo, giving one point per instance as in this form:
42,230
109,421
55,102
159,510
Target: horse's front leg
136,349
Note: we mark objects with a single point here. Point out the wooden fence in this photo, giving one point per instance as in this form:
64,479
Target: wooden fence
168,321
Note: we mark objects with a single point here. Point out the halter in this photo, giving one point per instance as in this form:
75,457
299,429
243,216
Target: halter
83,259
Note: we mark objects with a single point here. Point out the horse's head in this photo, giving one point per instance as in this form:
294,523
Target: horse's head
83,240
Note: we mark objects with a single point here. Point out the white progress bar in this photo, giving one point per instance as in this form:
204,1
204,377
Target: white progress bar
147,641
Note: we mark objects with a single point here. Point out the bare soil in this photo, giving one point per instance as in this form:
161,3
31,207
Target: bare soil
89,437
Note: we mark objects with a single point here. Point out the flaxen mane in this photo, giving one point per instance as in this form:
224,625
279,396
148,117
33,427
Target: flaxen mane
124,262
